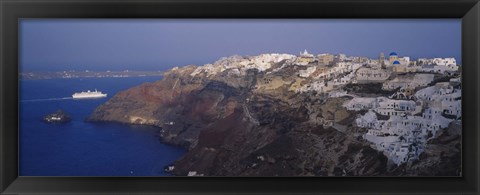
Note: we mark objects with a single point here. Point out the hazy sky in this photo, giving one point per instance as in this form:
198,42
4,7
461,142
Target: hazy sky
158,44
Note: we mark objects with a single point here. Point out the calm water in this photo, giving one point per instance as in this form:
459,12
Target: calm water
80,148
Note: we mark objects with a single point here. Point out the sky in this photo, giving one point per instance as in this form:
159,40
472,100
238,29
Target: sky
160,44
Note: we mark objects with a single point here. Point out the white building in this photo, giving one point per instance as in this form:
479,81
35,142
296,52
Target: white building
307,72
418,80
342,57
444,64
318,86
444,61
372,75
397,107
361,103
444,69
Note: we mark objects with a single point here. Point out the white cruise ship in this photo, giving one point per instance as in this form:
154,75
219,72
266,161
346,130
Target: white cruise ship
89,94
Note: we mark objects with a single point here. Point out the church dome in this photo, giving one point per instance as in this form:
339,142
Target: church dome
396,62
393,54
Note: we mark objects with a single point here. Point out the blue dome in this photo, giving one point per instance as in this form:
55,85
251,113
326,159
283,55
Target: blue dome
393,54
396,62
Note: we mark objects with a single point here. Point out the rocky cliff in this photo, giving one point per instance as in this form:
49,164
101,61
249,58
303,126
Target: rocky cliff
242,121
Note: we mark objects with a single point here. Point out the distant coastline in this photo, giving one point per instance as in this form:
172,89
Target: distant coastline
86,74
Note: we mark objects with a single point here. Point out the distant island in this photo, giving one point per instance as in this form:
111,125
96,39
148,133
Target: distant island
304,115
85,74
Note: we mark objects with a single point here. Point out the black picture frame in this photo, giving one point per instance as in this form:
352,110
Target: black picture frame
12,10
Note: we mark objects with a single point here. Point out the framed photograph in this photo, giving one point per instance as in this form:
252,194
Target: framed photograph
240,97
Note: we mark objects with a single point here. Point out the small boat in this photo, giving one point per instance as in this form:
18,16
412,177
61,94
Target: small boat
89,94
57,117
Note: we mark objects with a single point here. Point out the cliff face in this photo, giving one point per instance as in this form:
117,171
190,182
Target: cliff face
442,156
242,122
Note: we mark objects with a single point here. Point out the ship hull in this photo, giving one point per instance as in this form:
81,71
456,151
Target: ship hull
89,97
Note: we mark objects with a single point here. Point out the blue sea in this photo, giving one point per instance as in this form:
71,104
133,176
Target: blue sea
80,148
